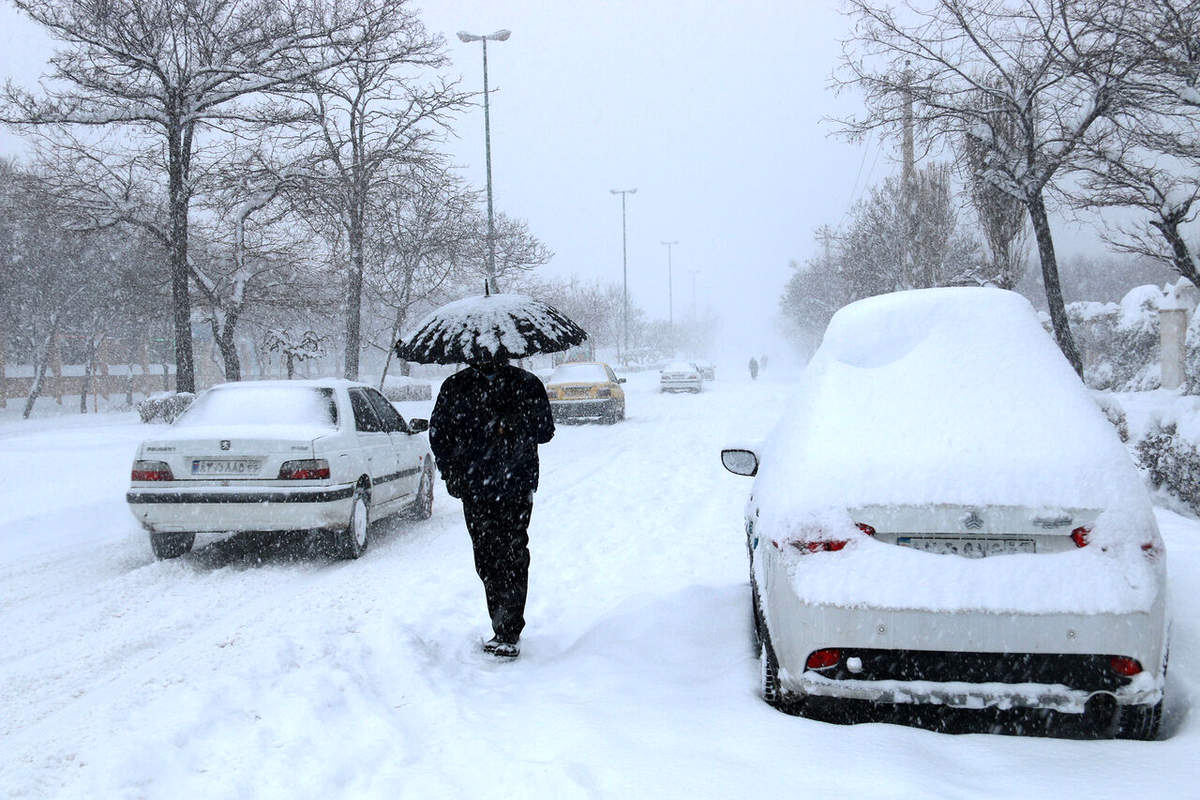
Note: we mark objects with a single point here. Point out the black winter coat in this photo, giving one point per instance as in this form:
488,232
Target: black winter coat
485,429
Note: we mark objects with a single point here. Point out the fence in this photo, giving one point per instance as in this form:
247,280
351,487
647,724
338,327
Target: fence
112,379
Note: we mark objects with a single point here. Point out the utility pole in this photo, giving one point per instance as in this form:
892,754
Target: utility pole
906,144
670,290
908,187
624,266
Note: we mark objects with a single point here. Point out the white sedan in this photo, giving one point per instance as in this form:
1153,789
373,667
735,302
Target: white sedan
281,456
680,376
944,518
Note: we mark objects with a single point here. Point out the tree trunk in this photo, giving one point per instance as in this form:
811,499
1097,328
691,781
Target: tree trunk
179,143
3,375
39,378
291,366
354,297
87,376
1054,299
1180,252
223,336
56,359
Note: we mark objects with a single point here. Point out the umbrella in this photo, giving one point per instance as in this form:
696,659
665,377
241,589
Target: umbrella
492,327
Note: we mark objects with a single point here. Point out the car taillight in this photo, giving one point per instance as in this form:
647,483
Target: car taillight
823,659
1123,665
310,469
151,471
865,528
1080,536
819,547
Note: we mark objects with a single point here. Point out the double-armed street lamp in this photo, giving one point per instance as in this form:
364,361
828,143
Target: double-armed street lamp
624,264
498,36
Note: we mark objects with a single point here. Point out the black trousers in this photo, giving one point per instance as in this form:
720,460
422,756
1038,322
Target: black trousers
499,529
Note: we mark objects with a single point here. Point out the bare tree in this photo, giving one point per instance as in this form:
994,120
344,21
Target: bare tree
372,121
1148,157
169,71
419,238
1048,70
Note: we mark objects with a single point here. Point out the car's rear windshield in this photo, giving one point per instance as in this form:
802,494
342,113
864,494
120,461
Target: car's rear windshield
579,373
263,405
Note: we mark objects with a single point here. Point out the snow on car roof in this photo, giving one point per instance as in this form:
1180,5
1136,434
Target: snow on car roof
944,396
579,372
679,366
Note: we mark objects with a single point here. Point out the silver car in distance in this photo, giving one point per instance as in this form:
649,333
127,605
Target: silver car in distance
944,526
281,456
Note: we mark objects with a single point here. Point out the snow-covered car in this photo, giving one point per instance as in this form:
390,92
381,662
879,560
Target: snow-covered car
944,517
680,376
586,390
281,456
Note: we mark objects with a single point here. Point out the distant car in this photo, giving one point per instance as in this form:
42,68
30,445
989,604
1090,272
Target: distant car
680,376
707,371
945,518
586,390
281,456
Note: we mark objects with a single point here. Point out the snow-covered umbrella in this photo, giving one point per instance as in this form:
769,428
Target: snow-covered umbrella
492,327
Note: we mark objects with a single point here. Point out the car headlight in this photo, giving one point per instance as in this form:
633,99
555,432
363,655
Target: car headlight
605,392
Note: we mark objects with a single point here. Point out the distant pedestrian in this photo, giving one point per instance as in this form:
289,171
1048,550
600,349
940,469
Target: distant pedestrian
485,429
753,368
762,363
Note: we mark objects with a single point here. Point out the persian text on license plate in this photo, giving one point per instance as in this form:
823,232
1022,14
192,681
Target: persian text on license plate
973,547
225,466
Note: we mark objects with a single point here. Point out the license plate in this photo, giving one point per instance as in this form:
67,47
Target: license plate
973,547
225,466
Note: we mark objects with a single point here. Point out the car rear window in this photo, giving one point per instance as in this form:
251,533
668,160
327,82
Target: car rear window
579,373
679,366
262,405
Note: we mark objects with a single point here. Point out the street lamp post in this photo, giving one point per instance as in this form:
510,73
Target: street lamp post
670,290
498,36
624,265
694,273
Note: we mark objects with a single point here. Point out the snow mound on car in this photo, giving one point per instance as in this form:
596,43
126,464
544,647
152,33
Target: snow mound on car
943,396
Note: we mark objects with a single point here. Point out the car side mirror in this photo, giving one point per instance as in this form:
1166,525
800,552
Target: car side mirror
620,380
740,462
418,425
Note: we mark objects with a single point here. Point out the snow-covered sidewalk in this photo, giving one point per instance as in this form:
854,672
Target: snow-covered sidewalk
263,671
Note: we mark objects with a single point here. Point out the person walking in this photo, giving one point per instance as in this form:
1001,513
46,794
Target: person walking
485,430
753,368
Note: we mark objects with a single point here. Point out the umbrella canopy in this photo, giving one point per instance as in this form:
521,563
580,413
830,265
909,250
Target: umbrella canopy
498,326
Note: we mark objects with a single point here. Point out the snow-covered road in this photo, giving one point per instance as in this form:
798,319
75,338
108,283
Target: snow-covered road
261,670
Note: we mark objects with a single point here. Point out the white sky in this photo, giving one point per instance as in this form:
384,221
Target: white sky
711,110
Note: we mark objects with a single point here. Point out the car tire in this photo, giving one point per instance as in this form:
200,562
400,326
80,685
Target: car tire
756,623
1139,722
353,538
422,507
770,672
171,545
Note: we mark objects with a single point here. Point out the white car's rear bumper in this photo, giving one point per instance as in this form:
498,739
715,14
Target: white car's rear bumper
977,659
253,508
671,385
